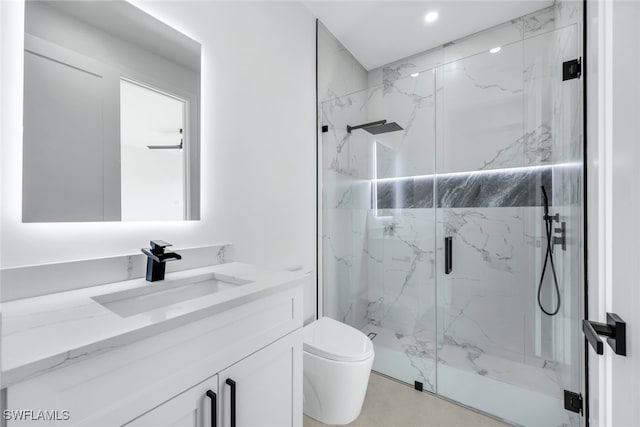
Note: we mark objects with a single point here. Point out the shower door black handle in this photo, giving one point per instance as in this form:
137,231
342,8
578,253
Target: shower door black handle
448,255
231,383
214,408
614,330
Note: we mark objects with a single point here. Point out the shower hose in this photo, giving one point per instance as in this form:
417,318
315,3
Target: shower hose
548,222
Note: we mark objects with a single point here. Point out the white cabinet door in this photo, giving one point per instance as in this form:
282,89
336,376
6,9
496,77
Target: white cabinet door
267,387
196,407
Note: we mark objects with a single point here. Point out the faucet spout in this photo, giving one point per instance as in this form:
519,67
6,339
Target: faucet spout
157,258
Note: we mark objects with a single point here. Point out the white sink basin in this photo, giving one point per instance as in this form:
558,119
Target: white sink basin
166,292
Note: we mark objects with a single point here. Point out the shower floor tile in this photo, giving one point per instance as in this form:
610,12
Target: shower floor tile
405,358
466,373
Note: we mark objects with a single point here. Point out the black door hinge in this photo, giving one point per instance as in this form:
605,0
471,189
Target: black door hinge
325,128
572,69
418,386
573,401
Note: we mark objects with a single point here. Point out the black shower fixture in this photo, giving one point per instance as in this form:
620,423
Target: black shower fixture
551,242
375,128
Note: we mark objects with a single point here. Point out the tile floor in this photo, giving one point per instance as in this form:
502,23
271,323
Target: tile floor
391,404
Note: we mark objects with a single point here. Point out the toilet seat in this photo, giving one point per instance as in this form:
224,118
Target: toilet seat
333,340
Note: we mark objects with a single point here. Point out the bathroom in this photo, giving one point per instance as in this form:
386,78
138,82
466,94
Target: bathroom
305,213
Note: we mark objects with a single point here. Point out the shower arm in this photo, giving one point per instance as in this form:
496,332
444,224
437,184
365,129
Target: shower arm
366,125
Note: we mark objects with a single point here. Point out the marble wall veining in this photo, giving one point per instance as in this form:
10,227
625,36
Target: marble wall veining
501,188
482,132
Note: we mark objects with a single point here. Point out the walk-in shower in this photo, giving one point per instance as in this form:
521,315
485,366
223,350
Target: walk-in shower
434,236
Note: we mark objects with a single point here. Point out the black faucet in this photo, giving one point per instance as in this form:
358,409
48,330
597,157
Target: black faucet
157,258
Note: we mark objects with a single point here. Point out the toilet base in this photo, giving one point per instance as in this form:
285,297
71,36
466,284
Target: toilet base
334,391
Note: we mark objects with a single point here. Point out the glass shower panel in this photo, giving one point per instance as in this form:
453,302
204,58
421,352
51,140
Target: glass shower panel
346,199
507,126
464,156
553,126
378,222
403,315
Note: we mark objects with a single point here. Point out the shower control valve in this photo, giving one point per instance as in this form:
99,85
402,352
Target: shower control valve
555,217
562,238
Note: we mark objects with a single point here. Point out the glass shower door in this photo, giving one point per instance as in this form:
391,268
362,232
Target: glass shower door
508,126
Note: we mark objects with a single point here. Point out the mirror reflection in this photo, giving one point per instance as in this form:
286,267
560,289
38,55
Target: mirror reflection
111,115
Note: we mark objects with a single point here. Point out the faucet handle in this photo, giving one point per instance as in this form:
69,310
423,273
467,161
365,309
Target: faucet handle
159,244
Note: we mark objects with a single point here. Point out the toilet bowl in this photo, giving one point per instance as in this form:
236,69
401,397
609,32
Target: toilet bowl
337,362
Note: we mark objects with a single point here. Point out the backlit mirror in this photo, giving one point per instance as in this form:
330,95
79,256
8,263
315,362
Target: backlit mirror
111,115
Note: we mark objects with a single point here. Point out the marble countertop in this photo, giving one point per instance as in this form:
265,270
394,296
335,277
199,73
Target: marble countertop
49,332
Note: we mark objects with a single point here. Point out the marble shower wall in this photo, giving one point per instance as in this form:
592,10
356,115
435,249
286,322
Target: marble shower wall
511,109
562,117
505,110
385,216
563,13
345,183
401,233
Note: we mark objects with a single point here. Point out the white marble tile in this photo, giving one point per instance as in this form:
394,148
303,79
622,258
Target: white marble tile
339,73
551,105
397,70
568,12
516,404
359,268
374,254
500,35
407,358
539,22
482,299
502,110
344,152
561,14
481,110
409,273
337,263
410,102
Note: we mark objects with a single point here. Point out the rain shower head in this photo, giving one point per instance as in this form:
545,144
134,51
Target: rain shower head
375,128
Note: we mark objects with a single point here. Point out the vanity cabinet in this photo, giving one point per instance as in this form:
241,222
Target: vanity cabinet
196,407
163,380
255,392
261,386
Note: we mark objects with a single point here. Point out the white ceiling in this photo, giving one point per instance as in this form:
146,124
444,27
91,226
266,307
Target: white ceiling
380,32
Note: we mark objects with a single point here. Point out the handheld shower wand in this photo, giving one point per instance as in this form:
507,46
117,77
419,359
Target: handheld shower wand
548,222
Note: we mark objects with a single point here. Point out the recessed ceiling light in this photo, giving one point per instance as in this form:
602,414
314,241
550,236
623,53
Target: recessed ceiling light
430,17
415,74
495,49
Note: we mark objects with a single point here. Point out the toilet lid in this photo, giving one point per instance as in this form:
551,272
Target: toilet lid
334,340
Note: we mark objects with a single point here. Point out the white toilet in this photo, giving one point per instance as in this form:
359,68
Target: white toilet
336,363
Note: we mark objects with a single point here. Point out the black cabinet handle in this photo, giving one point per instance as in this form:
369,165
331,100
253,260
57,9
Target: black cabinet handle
614,330
448,255
231,383
214,408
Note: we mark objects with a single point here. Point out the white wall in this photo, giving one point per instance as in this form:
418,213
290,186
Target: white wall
614,131
258,142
